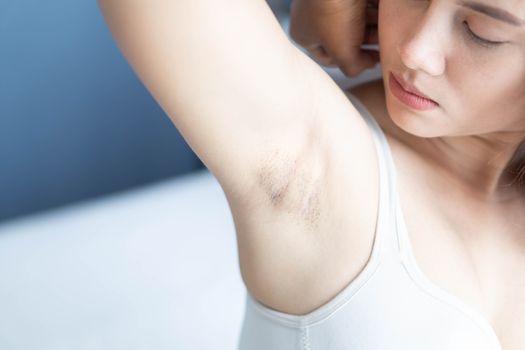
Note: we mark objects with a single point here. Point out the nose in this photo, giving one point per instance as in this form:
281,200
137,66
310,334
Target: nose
422,50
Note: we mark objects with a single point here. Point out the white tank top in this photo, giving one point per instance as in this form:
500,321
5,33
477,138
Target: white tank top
390,305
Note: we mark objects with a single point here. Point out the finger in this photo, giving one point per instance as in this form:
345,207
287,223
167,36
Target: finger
376,55
342,38
319,54
366,59
302,27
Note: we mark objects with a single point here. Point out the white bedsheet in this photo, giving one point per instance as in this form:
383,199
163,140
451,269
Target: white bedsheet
151,268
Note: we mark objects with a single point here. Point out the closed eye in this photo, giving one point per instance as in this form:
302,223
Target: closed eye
478,39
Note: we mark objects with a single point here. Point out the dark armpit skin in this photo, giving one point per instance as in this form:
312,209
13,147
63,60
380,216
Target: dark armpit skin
293,192
296,185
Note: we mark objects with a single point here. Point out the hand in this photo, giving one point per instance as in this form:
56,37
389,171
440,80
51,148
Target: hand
333,31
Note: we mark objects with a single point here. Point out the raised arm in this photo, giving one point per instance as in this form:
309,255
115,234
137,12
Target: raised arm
225,73
249,103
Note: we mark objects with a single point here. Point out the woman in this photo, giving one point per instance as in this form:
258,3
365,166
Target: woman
384,217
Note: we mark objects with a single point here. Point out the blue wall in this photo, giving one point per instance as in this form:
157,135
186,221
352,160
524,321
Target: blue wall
75,121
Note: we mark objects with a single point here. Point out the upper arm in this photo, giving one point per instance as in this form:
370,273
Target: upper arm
248,102
225,73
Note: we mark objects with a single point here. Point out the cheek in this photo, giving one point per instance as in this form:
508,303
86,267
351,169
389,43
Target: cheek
386,24
486,80
388,35
487,103
396,22
477,84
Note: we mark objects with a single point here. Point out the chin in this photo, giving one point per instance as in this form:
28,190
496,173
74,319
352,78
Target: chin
407,121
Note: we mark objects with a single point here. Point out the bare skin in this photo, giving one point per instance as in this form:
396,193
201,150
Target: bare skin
334,30
297,162
484,240
485,244
463,148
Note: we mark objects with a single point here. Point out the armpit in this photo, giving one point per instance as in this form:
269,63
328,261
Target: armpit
295,185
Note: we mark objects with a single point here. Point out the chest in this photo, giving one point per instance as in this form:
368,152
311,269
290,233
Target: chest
477,255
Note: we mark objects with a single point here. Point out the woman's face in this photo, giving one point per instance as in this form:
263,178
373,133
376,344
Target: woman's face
432,45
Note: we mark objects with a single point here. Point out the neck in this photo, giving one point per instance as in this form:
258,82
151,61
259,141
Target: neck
484,165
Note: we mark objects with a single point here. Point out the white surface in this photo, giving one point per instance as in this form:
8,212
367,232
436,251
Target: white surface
153,268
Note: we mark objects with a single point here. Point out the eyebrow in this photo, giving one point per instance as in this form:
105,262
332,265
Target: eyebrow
494,12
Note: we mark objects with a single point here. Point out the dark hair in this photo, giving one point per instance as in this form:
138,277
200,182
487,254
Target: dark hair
520,177
519,160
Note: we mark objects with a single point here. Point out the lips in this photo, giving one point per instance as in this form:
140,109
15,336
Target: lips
410,88
409,99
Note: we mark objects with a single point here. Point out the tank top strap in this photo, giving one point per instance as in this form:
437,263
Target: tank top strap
387,232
